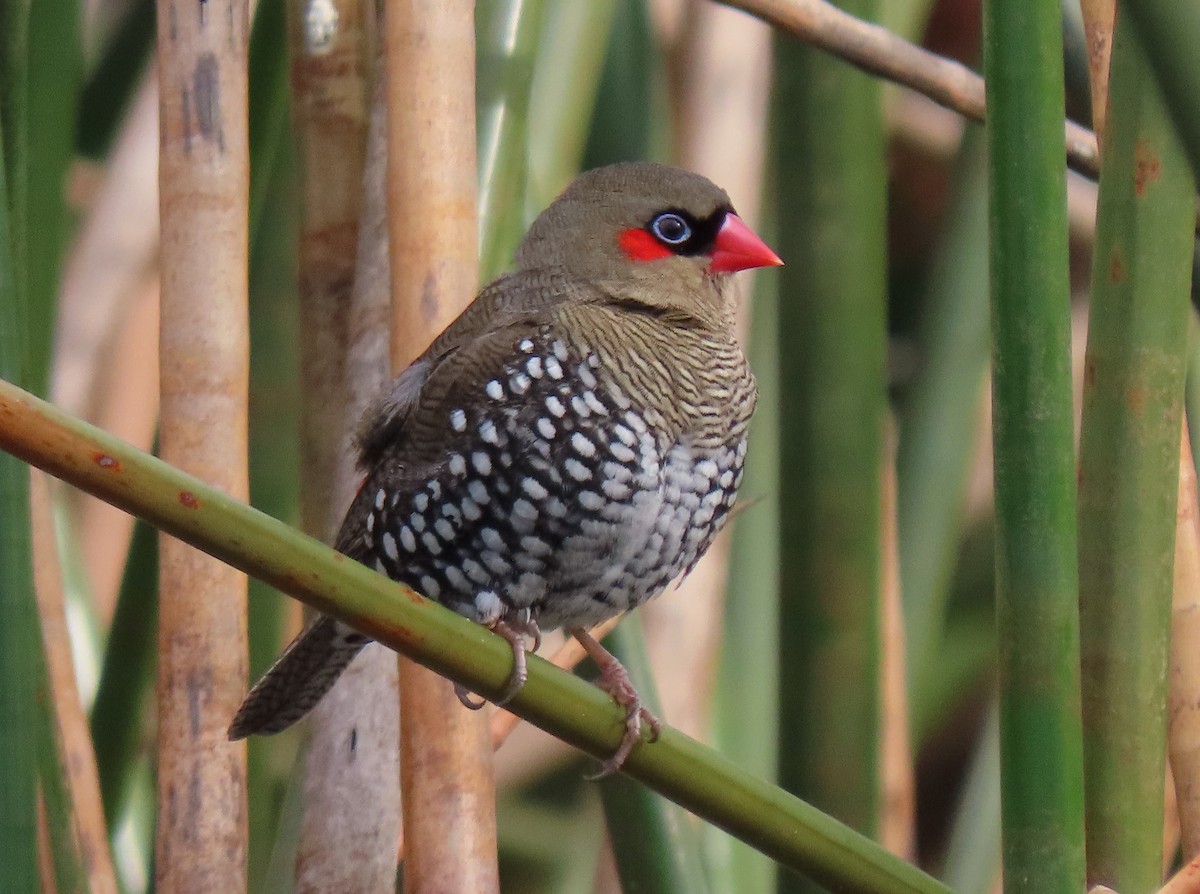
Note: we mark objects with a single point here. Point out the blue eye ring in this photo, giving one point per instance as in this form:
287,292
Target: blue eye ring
671,228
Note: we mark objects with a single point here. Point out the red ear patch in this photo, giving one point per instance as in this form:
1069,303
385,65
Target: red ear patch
639,245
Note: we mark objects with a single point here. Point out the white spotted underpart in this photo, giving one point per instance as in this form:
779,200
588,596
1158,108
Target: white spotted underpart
558,492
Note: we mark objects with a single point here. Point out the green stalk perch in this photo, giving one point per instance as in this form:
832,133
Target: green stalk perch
778,824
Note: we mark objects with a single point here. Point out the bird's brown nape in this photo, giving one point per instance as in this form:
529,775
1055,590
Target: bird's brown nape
575,439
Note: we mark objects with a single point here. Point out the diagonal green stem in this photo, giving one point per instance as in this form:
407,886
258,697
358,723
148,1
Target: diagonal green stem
779,825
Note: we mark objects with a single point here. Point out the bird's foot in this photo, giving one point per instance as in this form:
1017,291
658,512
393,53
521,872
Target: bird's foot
515,630
614,680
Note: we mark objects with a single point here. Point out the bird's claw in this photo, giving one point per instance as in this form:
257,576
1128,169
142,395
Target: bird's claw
614,680
514,630
465,696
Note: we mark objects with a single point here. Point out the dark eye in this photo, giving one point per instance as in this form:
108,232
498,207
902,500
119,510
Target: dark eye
671,228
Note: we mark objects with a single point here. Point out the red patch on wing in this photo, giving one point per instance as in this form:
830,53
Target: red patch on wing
639,245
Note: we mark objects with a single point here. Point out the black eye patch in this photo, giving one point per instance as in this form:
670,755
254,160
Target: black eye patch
684,234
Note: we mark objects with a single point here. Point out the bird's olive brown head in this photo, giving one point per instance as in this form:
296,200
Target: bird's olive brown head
649,234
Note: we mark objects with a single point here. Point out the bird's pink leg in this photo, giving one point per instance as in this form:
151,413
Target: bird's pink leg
614,680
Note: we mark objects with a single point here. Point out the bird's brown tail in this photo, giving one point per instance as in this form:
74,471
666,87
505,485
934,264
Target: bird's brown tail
299,679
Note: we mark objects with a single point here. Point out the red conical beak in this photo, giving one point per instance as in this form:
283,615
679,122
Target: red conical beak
739,248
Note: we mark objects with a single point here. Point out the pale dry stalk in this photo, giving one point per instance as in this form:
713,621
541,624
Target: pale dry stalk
1098,19
897,822
203,346
351,781
1183,700
76,755
446,757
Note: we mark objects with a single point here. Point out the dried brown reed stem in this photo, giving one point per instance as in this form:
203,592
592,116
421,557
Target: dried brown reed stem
877,51
203,346
897,821
76,755
1098,19
1183,701
351,787
446,757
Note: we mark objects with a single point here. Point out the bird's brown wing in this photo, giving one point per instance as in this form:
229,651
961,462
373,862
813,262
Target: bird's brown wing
511,301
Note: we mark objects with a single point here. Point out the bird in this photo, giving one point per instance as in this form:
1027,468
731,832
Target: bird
570,444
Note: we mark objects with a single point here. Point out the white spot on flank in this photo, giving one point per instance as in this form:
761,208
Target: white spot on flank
496,563
475,571
524,509
534,488
525,345
430,587
431,543
482,462
592,401
577,470
492,540
457,579
579,407
488,432
389,546
407,540
417,521
471,509
726,478
615,490
379,498
444,529
616,471
421,502
494,390
534,366
621,452
591,501
554,368
707,468
560,350
582,445
458,420
370,522
535,546
488,606
478,492
555,406
519,383
457,465
586,376
626,435
546,428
